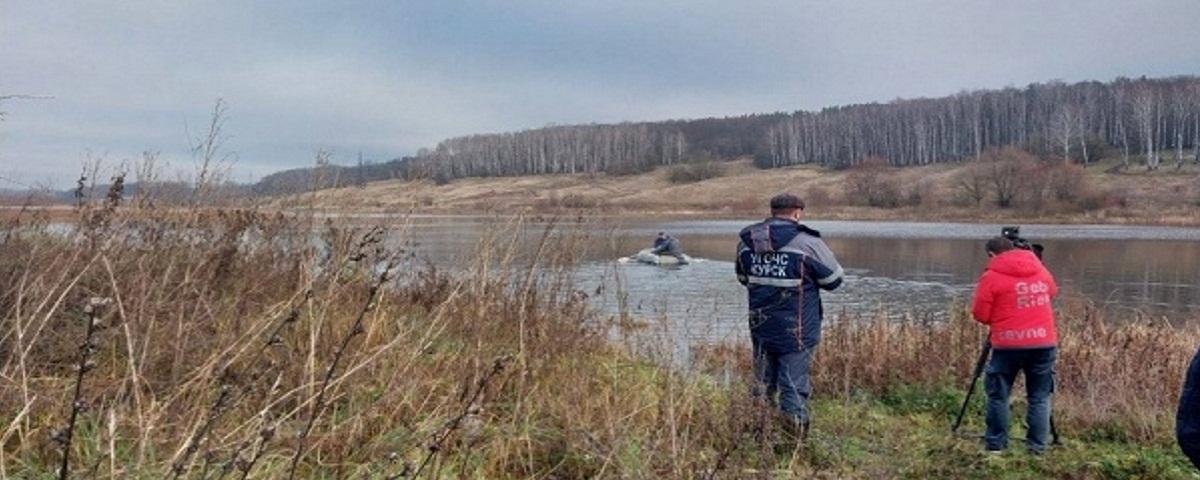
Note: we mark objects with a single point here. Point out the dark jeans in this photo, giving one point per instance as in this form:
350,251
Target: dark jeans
784,380
1038,365
1187,418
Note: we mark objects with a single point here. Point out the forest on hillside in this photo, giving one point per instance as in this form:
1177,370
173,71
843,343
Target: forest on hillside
1134,119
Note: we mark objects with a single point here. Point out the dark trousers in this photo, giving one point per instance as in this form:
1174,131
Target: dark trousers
784,380
1038,366
1187,418
671,248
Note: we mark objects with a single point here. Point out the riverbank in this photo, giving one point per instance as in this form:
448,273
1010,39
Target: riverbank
196,367
1097,194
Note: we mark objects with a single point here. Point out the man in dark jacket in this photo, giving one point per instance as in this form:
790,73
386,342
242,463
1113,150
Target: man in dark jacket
1187,419
669,245
1013,298
783,266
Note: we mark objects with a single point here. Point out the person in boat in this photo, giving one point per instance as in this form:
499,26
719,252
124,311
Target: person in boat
667,245
784,265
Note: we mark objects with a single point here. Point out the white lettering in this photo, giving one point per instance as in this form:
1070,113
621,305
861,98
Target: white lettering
769,264
1031,295
769,258
768,270
1028,333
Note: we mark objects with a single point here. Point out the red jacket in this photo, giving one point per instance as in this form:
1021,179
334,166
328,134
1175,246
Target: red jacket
1013,298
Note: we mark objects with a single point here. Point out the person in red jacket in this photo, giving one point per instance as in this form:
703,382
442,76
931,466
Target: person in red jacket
1013,298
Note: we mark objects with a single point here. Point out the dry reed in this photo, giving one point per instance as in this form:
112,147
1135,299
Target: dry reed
247,344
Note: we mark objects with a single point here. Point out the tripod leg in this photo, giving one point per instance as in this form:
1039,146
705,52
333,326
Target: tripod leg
979,366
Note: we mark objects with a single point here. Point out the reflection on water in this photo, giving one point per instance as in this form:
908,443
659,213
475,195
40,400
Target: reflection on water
916,268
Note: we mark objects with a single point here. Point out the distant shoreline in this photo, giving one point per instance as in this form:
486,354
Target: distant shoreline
64,213
1097,195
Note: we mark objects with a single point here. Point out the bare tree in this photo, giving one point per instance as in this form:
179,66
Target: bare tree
972,183
1194,102
1063,128
360,174
1005,171
211,161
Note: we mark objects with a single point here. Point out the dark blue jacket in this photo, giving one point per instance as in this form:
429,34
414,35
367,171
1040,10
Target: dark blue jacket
667,244
1187,419
784,265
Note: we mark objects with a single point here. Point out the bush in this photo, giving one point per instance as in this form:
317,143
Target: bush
1118,197
748,204
921,193
971,184
694,172
818,196
1053,184
1068,182
764,160
571,200
1007,172
441,178
870,184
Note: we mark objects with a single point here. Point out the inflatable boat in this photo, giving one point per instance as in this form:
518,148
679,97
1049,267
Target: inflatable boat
648,256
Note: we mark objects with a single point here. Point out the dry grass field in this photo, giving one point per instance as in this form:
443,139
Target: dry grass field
1163,197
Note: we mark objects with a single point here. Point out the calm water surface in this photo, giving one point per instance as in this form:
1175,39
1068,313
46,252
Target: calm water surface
906,269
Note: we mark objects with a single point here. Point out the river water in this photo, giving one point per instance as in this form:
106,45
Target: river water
904,269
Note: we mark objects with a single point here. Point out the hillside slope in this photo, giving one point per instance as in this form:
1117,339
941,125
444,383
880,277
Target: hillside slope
926,193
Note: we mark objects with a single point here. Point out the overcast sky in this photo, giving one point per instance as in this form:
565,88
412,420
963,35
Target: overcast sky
387,77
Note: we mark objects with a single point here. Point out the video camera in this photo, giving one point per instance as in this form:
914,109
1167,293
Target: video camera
1013,233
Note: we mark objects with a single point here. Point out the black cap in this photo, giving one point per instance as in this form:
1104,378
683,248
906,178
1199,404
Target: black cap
786,201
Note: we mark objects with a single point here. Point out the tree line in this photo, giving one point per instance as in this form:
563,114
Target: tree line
1142,116
1135,119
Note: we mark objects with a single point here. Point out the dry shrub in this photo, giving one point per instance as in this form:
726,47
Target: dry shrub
1055,185
442,177
1068,182
971,184
694,172
1102,390
1007,172
570,201
920,194
1100,385
870,183
1097,199
817,196
748,204
236,341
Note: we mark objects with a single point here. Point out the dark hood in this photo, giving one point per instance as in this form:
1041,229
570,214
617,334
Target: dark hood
779,231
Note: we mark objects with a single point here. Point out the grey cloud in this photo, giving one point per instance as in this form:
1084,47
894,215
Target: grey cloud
389,77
